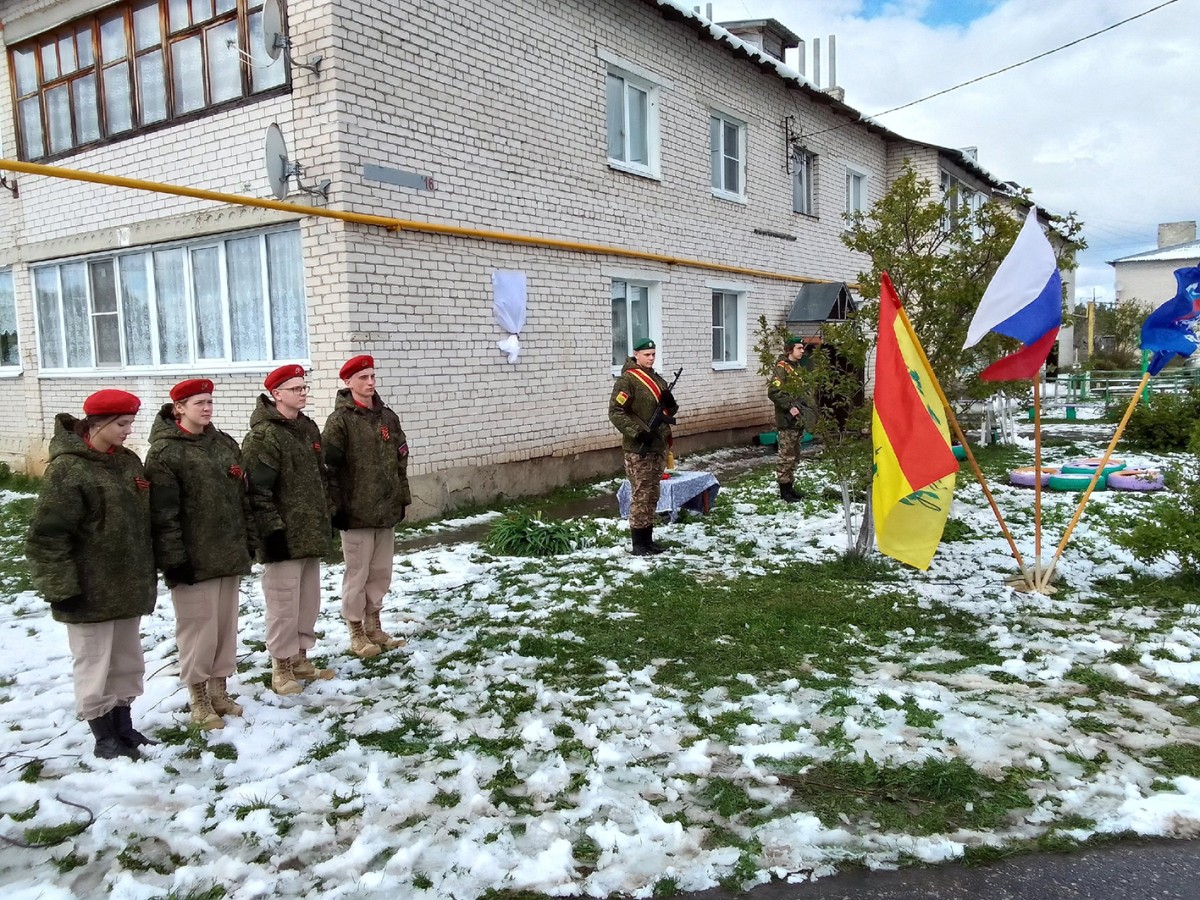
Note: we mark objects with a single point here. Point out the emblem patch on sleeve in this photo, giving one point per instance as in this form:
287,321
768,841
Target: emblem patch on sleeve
622,398
776,383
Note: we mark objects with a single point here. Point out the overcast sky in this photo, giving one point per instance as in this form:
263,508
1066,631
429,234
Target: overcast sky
1106,128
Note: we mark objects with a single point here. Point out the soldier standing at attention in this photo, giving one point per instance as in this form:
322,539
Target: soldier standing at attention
199,513
285,471
793,413
91,557
635,396
367,456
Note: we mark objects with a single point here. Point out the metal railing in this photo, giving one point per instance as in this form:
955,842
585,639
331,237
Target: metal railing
1108,387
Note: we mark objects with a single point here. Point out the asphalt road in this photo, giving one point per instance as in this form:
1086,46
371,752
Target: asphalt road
1131,870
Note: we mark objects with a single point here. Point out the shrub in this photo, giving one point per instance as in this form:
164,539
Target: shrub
1166,423
1172,524
522,534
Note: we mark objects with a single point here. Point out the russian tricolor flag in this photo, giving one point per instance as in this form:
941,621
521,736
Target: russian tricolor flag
1023,301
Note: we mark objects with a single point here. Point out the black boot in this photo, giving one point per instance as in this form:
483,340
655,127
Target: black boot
128,735
642,543
108,744
787,493
654,548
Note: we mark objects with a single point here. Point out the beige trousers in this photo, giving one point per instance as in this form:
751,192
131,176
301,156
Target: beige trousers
206,628
292,590
369,553
109,665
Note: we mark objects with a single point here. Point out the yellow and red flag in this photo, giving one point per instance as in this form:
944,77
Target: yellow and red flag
914,466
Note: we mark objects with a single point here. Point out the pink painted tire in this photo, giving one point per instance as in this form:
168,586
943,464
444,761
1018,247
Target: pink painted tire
1026,476
1136,480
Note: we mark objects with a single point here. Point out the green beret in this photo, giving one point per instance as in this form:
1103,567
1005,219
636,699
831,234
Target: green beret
793,340
646,344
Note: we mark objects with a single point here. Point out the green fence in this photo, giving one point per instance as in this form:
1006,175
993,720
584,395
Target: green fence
1108,387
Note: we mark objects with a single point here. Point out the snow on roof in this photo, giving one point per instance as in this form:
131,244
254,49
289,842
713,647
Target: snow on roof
1176,252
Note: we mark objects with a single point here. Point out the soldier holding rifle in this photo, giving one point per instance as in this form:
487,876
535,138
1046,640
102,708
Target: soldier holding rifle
643,409
794,411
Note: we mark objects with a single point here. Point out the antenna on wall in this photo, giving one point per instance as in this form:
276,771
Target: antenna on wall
281,169
276,40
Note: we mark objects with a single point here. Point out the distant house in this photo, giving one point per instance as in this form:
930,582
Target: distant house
1148,278
717,179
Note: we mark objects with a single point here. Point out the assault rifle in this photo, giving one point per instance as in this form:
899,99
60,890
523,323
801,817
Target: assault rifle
660,416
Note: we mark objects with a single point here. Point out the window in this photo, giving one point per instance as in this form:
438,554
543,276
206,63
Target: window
636,305
960,201
134,64
856,192
632,121
729,326
231,299
10,356
804,170
727,143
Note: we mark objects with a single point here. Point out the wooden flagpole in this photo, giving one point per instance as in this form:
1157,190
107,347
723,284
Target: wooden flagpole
962,438
1037,479
1133,401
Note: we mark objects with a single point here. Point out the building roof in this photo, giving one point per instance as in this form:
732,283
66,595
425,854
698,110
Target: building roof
1174,253
821,303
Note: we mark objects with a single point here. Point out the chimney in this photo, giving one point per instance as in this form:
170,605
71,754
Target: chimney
1172,233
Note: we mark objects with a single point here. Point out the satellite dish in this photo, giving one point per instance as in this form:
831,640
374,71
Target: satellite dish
274,40
275,157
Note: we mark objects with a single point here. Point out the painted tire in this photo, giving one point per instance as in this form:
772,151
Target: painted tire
1136,480
1025,476
959,451
1088,466
1076,481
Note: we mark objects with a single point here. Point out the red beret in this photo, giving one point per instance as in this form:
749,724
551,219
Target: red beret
190,388
356,364
111,402
282,374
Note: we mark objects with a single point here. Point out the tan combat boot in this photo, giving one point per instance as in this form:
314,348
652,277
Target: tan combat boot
283,681
376,634
302,668
360,644
222,703
201,707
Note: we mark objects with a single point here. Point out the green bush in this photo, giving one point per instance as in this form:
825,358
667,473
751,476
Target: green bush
522,534
1172,524
1166,423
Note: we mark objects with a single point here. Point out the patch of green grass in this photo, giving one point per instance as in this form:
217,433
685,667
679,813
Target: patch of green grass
54,834
915,717
68,863
726,798
522,534
1092,725
413,736
1177,759
25,815
1097,683
31,771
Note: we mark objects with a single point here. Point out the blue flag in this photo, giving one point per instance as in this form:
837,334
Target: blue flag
1167,332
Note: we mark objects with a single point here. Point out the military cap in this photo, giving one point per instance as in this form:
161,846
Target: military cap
282,374
190,388
356,364
646,344
111,402
793,340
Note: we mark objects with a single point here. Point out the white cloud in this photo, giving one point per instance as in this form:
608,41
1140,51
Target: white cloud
1101,128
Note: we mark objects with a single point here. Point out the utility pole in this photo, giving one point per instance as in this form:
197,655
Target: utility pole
1091,320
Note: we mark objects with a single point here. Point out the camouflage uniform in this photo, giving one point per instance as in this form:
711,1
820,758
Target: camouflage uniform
199,510
629,409
90,557
285,472
367,455
790,431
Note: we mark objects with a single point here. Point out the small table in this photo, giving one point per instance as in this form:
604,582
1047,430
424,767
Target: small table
684,490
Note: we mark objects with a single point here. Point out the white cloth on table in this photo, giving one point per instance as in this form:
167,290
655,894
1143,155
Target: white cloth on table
683,490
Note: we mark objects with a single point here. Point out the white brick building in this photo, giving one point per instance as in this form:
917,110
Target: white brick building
629,123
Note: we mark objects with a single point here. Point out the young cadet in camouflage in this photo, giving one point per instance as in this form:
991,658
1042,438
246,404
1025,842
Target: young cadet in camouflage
367,455
285,471
794,412
199,513
634,397
90,557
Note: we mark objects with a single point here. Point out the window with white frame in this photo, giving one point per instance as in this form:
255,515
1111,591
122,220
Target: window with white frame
226,299
856,191
10,355
134,64
728,327
804,171
727,148
634,317
632,118
960,201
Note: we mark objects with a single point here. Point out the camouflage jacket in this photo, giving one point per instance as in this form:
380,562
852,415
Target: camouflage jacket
90,532
786,390
367,455
285,472
198,504
632,404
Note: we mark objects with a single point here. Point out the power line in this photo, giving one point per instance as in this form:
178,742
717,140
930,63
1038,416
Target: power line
1009,68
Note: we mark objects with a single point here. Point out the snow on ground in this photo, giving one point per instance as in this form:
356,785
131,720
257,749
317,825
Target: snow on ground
460,764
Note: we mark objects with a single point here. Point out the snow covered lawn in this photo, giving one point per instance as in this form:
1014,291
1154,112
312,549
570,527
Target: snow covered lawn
745,707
